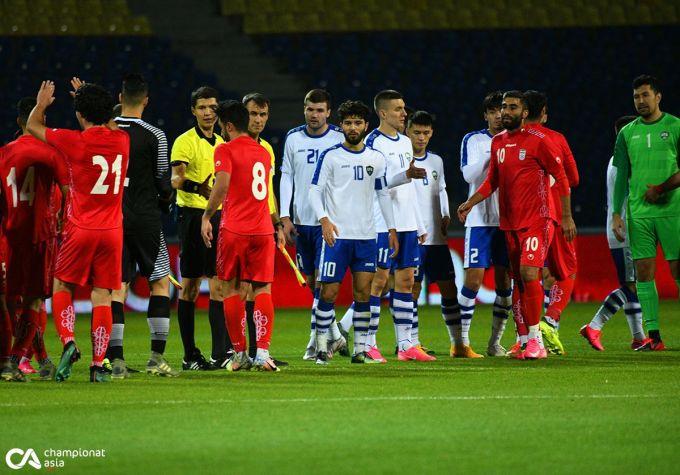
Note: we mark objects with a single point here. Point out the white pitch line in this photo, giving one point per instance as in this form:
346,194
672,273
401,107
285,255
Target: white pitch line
323,400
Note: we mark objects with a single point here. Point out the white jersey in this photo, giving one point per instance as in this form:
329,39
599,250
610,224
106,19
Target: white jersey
398,153
348,181
432,197
611,179
301,151
475,153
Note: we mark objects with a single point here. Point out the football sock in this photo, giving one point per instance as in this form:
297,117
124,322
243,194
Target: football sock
402,305
158,318
361,318
546,299
612,303
185,318
218,330
334,332
347,318
64,315
560,296
312,332
390,299
5,334
517,314
325,314
649,301
39,348
261,354
100,332
415,337
24,333
501,309
117,329
374,304
235,317
264,321
466,300
634,318
531,300
451,316
250,322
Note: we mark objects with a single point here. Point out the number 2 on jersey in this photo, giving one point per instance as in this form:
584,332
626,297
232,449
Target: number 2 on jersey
27,192
100,188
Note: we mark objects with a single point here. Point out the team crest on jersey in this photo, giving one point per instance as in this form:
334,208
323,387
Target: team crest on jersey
665,135
369,170
522,154
435,175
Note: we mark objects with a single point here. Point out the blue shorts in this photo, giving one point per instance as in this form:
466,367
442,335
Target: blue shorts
384,251
625,267
484,246
308,248
436,263
409,250
357,254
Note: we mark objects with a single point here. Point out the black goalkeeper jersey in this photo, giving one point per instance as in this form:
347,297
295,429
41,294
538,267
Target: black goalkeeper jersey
148,175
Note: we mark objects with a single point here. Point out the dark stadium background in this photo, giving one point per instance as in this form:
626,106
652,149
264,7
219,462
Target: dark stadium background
441,55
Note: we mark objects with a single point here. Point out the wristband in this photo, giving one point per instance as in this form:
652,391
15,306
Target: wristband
190,186
658,189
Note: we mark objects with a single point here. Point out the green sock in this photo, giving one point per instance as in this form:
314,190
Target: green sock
649,301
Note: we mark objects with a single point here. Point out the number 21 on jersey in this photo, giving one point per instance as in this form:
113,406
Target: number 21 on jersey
101,188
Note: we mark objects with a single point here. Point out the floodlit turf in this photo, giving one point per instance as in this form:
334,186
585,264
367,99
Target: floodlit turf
589,412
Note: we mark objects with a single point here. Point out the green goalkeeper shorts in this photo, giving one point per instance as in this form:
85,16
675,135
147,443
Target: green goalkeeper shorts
645,233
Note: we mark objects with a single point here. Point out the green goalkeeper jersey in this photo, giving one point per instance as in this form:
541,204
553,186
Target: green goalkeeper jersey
647,154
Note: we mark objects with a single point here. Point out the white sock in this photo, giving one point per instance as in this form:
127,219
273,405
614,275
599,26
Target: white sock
634,318
262,354
612,303
466,300
501,311
361,322
451,316
334,331
415,337
346,321
374,304
402,304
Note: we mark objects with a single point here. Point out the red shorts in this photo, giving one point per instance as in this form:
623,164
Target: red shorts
529,246
248,258
90,257
30,267
562,260
3,265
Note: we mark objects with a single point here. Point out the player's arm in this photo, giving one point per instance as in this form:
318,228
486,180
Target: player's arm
622,163
485,190
472,163
405,176
385,203
654,192
444,204
219,191
549,156
180,158
328,229
570,168
36,120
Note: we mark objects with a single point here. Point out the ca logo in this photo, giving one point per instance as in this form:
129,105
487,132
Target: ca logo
29,457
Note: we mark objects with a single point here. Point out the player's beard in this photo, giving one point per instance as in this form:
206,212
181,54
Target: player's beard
354,140
512,123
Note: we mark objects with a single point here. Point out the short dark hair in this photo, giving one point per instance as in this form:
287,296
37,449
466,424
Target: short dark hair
318,96
517,95
386,95
651,81
94,103
24,108
420,118
259,99
234,112
623,121
536,101
203,92
135,89
354,109
492,101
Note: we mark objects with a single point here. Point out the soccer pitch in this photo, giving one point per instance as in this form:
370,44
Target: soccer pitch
589,412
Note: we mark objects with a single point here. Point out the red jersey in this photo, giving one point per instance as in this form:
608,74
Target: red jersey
29,169
245,209
568,163
97,161
520,168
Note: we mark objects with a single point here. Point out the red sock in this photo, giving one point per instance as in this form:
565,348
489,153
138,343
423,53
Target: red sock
264,320
39,341
235,317
5,334
532,302
517,313
24,333
64,316
559,297
102,319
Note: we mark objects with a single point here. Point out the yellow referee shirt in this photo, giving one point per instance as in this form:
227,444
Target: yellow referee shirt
272,197
196,151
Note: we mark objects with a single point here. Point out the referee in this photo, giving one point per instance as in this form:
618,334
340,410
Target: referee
193,173
146,186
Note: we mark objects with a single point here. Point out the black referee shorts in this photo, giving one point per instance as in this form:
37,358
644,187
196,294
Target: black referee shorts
148,251
196,260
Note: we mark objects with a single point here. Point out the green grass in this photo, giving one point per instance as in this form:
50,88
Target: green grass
611,412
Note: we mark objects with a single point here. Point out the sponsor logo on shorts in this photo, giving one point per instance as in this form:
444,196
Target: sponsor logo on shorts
522,154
